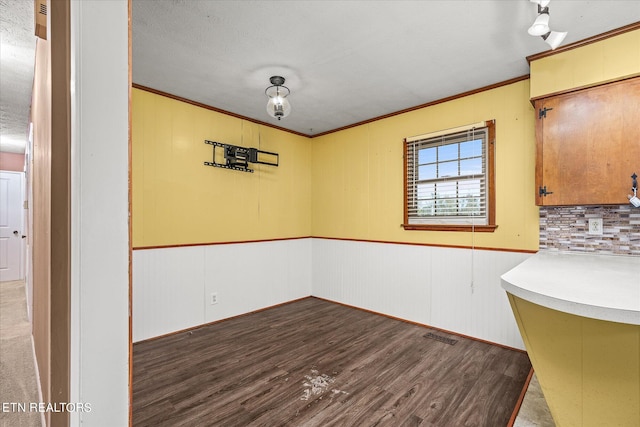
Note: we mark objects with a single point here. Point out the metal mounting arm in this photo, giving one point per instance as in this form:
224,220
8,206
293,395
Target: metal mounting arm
238,158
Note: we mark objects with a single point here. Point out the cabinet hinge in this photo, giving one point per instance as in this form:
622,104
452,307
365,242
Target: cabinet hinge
542,112
542,191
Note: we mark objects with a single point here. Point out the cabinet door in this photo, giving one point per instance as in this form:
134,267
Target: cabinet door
588,145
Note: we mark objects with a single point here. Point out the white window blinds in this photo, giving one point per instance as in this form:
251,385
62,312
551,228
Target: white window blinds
446,177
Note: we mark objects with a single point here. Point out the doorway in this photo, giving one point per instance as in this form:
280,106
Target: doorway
11,226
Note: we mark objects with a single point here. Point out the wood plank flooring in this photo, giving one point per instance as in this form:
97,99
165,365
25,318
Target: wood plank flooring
316,363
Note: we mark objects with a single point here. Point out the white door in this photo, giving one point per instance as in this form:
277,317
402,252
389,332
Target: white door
10,226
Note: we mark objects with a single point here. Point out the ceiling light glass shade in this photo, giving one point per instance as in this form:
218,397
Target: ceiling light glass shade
278,105
540,26
554,38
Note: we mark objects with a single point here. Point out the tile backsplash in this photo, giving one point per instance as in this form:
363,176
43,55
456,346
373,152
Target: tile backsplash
566,228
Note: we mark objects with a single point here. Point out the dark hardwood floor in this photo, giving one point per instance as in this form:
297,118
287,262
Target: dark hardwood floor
316,363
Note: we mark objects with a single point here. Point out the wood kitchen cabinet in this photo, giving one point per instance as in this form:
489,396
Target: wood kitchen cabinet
588,145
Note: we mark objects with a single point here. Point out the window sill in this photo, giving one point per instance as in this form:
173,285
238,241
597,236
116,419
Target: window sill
442,227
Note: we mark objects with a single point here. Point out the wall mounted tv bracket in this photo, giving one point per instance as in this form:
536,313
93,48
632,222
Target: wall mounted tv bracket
238,158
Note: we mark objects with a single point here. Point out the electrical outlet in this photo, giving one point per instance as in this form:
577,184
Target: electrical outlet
595,226
214,298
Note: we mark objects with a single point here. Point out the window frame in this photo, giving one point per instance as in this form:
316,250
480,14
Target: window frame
491,225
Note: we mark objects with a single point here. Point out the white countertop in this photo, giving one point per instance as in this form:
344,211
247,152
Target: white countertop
604,287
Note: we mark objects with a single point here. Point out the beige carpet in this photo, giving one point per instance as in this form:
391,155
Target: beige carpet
17,369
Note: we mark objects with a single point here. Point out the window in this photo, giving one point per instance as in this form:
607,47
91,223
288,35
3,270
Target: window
449,179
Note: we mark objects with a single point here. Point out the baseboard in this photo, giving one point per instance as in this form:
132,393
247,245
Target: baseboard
333,302
218,321
516,409
423,325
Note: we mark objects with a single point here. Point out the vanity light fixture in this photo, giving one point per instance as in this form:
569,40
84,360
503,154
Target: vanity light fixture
540,26
278,105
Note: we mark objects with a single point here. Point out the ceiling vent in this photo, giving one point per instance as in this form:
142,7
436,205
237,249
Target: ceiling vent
41,18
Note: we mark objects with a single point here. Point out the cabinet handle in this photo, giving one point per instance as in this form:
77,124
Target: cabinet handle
542,191
542,112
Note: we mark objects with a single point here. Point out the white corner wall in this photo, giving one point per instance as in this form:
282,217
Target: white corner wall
99,212
453,289
172,287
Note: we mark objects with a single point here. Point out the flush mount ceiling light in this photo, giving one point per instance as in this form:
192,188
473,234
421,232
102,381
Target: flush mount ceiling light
540,26
278,105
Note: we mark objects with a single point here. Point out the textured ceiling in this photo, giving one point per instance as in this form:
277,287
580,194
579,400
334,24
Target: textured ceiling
345,61
17,54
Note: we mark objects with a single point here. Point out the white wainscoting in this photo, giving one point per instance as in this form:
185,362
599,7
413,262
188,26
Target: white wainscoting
454,289
172,287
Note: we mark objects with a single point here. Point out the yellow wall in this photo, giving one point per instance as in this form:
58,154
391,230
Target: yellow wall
589,369
177,200
357,174
347,184
611,59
